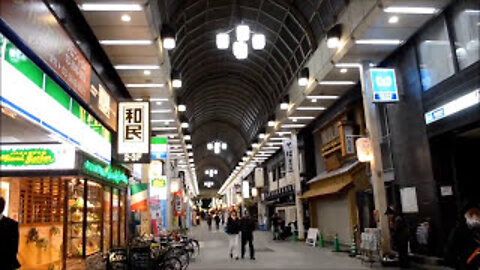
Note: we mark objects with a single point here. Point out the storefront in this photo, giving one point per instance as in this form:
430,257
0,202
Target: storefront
68,205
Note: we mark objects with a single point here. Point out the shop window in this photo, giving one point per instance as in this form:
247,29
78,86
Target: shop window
122,218
94,217
466,25
115,219
435,54
41,201
107,207
76,206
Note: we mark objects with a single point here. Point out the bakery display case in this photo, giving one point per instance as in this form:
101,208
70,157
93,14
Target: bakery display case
76,205
94,217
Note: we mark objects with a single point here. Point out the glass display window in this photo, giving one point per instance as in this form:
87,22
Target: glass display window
466,23
76,205
107,227
94,217
115,218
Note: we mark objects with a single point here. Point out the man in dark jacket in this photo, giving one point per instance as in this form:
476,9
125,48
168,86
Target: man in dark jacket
400,235
232,229
463,247
247,226
9,241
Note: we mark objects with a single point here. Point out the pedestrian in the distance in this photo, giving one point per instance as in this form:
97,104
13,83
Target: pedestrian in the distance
275,226
217,220
247,226
9,240
233,228
209,221
463,247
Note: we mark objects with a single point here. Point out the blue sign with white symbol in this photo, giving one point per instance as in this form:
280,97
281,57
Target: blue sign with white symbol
384,85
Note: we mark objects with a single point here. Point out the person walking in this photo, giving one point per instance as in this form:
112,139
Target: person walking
247,226
209,221
463,247
9,240
233,228
217,220
400,236
276,226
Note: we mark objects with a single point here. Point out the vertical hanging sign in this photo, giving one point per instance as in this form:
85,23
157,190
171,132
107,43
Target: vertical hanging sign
288,150
133,142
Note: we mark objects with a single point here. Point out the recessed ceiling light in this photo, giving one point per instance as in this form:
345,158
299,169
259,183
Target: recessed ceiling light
378,41
393,19
343,70
110,7
410,10
137,67
126,18
147,72
125,42
145,85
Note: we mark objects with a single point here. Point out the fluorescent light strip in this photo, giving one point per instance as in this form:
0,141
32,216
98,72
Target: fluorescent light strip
306,108
410,10
270,147
145,85
337,83
378,41
162,111
322,97
348,65
162,121
278,139
135,67
159,99
163,128
293,126
282,133
301,118
274,143
125,42
110,7
454,106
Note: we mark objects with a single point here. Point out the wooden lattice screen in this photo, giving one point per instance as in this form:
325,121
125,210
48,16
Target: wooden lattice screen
41,200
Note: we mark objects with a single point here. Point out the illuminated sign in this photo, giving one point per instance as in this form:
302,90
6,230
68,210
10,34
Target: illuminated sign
134,132
105,172
453,106
384,85
364,150
159,147
37,157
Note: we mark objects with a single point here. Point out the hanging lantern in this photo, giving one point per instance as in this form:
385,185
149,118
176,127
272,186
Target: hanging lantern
364,150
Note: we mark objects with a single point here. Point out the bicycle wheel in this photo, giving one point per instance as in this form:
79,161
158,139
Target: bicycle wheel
196,246
171,263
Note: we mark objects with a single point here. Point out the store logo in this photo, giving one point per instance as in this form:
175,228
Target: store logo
106,172
27,157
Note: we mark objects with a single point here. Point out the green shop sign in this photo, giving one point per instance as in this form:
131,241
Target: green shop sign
27,157
105,172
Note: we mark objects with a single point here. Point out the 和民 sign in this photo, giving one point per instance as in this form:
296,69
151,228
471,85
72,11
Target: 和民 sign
134,132
384,85
37,157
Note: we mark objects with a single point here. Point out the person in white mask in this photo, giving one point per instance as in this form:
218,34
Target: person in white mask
463,248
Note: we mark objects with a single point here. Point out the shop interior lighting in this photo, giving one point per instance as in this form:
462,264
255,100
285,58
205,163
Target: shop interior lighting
168,37
110,7
303,77
322,97
310,108
378,41
337,83
135,67
145,85
162,111
124,42
410,10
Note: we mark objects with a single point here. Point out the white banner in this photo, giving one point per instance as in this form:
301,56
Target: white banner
288,150
259,178
133,130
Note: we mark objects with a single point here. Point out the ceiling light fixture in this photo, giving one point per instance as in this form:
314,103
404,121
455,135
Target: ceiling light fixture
337,83
161,111
322,97
285,103
271,123
126,18
348,65
303,77
158,99
378,41
124,42
258,41
222,41
343,70
145,85
410,10
182,107
133,67
333,36
393,20
168,37
176,80
240,45
163,128
187,137
310,108
293,126
184,125
301,118
240,50
147,72
110,7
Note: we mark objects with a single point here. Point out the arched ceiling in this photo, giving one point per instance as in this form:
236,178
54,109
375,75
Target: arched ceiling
230,99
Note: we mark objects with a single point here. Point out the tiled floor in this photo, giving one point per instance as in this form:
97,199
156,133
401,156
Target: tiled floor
269,254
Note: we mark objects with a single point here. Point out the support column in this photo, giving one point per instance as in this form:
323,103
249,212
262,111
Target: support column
298,187
376,166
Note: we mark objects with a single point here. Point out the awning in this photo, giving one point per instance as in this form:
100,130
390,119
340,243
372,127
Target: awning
331,188
343,170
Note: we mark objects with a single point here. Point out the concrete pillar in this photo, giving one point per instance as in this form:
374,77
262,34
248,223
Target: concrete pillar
376,166
298,187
